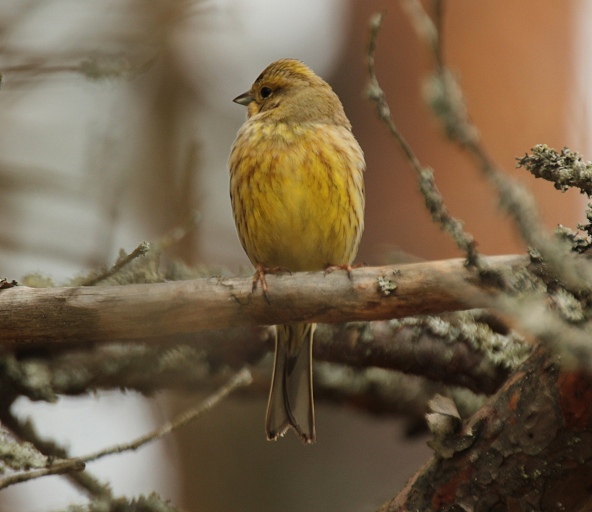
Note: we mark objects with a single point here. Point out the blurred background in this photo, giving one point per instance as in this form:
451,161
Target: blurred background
116,120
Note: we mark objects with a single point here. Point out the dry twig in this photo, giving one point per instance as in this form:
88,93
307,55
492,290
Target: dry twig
425,176
242,378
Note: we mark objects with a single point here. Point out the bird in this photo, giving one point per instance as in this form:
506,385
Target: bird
297,194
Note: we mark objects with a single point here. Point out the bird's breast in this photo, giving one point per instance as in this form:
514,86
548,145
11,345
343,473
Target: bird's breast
297,194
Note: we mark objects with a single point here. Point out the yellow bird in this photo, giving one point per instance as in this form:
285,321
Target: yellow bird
297,191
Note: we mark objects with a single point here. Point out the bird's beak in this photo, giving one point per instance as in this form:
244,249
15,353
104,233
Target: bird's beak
244,99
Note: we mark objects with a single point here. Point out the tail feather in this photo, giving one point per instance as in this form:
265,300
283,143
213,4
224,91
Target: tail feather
290,399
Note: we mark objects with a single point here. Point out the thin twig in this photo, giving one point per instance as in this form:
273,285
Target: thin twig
438,9
432,196
141,250
447,101
240,379
84,481
39,68
532,313
56,468
99,66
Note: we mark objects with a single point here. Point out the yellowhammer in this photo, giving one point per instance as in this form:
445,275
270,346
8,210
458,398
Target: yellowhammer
297,194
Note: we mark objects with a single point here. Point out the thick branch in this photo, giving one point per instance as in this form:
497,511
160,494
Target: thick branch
461,350
443,351
527,449
134,312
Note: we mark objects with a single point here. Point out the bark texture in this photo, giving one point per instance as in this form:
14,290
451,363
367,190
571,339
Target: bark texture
528,449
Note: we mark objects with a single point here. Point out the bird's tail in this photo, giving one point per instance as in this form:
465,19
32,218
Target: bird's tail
290,399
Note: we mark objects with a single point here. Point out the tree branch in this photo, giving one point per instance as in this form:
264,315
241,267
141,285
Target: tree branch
458,350
144,311
454,351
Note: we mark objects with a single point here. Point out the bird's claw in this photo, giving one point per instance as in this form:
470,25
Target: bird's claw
259,276
344,266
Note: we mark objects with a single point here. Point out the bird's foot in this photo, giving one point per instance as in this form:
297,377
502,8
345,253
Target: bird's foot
344,266
259,277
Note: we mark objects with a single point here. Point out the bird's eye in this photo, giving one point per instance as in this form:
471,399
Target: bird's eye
265,92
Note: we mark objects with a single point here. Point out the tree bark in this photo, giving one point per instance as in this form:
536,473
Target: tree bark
528,449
